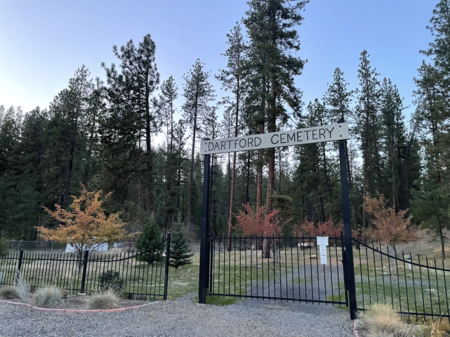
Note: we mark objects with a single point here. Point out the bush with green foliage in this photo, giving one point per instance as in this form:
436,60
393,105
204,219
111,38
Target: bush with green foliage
47,297
180,253
149,242
9,293
4,246
104,300
110,279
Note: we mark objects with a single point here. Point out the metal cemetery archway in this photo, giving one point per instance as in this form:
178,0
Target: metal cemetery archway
336,132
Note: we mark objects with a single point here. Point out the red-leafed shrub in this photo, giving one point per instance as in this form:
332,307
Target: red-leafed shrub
309,228
388,226
258,223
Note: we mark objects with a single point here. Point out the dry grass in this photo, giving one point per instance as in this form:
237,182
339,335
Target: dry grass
9,293
381,319
47,297
104,300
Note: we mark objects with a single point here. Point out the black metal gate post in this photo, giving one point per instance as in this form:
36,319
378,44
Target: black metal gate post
83,276
19,267
204,256
166,274
349,270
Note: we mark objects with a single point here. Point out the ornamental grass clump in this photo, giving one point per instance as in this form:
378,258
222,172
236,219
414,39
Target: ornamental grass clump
381,320
104,300
9,293
47,297
22,287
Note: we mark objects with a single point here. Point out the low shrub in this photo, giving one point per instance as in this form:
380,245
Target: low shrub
110,279
47,297
104,300
9,293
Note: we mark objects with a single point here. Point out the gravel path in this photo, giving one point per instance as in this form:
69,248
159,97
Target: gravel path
183,318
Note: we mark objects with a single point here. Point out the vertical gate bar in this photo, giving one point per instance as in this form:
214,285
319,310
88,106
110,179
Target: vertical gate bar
251,266
240,263
361,277
304,266
245,266
406,282
398,281
224,264
375,269
437,286
211,261
298,269
166,274
311,272
343,270
274,266
317,272
382,273
262,270
421,286
229,266
429,289
347,229
390,277
368,271
445,284
203,274
414,287
218,263
292,268
331,273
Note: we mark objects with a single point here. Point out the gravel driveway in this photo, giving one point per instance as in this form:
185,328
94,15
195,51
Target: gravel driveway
183,318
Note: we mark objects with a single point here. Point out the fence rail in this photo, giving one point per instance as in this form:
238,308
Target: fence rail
139,275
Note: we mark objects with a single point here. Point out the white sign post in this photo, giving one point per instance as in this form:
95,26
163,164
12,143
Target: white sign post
322,242
316,134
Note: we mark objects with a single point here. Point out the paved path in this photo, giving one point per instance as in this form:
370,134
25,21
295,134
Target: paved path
183,318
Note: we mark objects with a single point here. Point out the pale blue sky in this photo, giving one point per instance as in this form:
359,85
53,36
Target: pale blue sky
42,43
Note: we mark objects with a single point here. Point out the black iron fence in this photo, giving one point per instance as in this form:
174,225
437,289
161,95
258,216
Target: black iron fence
413,284
290,271
141,275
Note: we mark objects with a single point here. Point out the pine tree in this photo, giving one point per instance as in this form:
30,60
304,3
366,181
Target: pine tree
133,118
149,242
368,127
198,93
180,254
232,80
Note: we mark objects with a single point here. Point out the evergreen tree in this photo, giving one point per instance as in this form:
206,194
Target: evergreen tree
273,42
367,114
132,119
149,242
198,93
232,79
180,254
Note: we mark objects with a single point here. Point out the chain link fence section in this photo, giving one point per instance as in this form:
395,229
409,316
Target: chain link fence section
54,246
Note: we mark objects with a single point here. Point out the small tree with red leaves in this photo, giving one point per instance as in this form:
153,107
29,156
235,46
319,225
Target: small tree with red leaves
309,228
258,223
388,226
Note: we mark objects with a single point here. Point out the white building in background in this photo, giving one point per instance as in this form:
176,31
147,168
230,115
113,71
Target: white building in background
100,248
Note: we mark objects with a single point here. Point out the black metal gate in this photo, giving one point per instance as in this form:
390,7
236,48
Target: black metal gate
413,284
293,272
